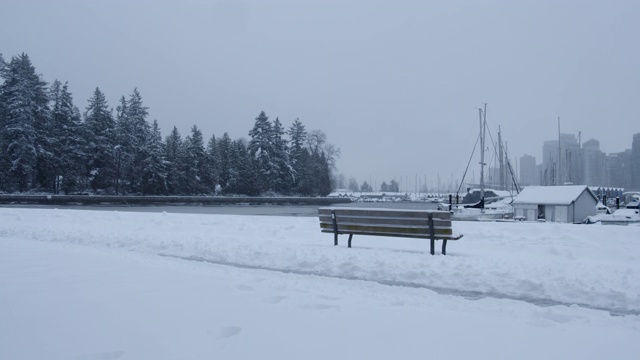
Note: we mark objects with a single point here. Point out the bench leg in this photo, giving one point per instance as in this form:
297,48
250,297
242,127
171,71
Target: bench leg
335,228
432,233
444,247
350,236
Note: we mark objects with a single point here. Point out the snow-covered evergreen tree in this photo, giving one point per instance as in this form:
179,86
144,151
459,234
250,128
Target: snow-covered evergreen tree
298,156
394,186
154,178
226,172
173,155
261,149
245,180
195,163
24,99
132,133
284,176
140,134
66,142
212,164
122,154
100,131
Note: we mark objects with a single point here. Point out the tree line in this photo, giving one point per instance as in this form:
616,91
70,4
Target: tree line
393,186
48,145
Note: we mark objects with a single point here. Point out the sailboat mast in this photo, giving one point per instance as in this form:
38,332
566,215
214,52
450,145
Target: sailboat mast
483,123
501,161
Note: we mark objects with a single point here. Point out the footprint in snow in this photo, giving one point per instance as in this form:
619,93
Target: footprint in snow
274,299
107,355
319,307
229,331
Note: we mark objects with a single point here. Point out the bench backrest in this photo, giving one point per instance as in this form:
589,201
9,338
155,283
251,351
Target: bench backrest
386,222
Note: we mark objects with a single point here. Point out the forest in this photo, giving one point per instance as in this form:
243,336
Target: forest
47,145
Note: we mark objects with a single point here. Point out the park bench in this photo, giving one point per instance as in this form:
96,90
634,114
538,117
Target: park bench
420,224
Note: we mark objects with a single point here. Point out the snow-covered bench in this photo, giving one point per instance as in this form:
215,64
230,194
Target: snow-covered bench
421,224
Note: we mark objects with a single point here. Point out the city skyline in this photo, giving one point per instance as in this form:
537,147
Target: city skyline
582,162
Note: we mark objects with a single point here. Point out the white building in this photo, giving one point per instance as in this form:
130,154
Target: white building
569,204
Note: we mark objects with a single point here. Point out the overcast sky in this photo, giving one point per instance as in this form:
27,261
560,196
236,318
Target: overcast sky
395,84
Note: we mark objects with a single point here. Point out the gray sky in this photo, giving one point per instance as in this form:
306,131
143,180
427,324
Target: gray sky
395,84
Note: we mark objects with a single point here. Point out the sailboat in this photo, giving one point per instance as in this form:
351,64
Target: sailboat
498,206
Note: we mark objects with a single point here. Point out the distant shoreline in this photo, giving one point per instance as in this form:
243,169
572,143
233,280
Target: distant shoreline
97,200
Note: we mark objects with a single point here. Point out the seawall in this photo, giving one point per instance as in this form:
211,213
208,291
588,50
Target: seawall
166,200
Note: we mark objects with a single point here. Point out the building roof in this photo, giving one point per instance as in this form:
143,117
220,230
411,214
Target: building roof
553,195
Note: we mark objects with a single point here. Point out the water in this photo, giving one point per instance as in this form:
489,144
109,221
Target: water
265,210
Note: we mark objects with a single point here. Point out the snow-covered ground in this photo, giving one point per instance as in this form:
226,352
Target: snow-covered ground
115,285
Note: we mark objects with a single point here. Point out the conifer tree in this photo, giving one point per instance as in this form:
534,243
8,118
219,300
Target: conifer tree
195,162
173,156
298,157
132,133
245,179
66,143
154,178
122,154
284,176
100,131
25,107
140,133
226,174
394,187
3,161
212,164
261,149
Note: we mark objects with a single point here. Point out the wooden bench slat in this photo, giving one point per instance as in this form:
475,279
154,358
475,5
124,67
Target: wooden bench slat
384,213
423,231
385,220
400,228
442,237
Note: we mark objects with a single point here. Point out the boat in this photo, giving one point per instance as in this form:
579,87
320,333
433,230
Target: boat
621,217
625,216
475,206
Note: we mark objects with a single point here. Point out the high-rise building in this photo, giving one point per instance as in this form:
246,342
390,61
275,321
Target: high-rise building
593,160
561,165
528,170
618,170
635,162
549,163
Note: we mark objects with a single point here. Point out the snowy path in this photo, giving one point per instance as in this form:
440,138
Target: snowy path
470,295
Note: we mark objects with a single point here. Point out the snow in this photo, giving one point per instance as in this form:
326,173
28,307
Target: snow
555,195
80,284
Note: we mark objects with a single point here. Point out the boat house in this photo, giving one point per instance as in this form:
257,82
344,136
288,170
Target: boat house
569,204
